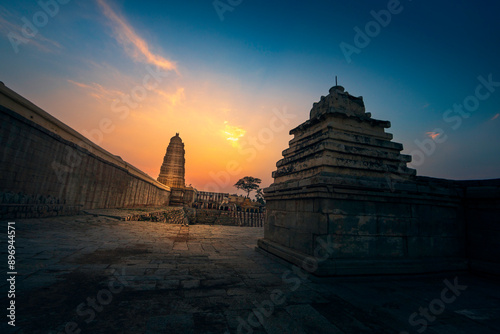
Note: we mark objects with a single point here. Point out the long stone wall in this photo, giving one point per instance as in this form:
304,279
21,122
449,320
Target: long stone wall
47,168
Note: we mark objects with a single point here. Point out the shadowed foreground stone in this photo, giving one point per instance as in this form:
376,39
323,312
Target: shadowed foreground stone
139,281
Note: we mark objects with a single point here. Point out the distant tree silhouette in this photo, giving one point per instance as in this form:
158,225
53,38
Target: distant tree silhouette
248,183
260,197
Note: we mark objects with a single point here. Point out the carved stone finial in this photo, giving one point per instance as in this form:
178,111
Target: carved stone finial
338,100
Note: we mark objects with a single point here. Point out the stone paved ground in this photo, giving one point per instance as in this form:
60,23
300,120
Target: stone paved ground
102,275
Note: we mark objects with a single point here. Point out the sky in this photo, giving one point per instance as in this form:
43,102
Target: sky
234,76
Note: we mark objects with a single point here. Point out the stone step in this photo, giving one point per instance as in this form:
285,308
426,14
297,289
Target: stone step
342,137
346,126
345,151
340,166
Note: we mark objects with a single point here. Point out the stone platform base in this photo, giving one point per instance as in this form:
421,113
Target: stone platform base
355,267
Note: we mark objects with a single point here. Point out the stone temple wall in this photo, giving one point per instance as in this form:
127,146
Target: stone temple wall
481,205
343,183
47,168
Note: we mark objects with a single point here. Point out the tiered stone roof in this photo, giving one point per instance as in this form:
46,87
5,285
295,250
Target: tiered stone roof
341,139
173,168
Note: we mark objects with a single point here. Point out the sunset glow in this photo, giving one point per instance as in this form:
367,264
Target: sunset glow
233,133
234,89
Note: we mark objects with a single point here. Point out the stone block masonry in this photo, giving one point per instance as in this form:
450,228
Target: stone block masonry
345,184
163,214
173,168
47,168
235,218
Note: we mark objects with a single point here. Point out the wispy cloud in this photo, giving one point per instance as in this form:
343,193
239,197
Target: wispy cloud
10,26
134,45
104,93
496,116
98,91
173,98
139,51
433,135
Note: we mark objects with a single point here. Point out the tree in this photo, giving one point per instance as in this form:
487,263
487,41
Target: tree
260,197
248,183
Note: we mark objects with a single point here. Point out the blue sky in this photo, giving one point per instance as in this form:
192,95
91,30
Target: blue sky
231,74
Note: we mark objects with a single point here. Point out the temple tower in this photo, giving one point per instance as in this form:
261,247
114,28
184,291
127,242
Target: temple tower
172,170
343,201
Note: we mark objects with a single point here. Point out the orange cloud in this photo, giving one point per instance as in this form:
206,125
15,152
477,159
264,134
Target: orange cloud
433,135
134,45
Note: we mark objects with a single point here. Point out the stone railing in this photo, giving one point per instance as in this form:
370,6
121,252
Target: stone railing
235,218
